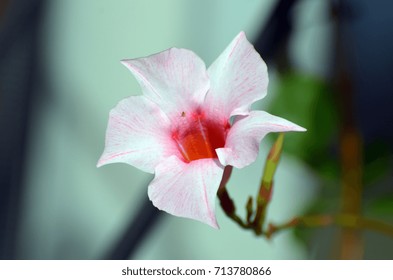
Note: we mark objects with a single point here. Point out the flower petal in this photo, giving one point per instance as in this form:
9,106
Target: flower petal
175,79
238,78
242,143
137,134
187,189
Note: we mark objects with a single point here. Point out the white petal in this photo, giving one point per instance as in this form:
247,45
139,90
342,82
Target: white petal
187,189
238,78
242,143
137,134
175,79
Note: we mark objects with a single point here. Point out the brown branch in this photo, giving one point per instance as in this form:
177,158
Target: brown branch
346,221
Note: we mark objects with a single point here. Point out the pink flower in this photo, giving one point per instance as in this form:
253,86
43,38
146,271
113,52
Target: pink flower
180,128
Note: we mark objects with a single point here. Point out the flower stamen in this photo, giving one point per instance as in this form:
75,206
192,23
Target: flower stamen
206,139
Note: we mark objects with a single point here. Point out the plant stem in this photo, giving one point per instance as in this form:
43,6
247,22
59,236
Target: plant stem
351,194
350,142
266,186
347,221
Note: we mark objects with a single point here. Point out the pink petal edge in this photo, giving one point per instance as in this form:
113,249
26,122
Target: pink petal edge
187,189
238,78
137,134
242,143
175,79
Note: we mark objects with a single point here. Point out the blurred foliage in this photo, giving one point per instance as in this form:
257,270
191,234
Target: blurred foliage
377,178
308,101
377,162
382,206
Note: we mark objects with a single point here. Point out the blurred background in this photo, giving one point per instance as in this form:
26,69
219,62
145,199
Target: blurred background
330,66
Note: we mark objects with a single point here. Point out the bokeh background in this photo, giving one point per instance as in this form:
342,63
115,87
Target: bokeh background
330,66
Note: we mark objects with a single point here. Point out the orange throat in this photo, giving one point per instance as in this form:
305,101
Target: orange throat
198,137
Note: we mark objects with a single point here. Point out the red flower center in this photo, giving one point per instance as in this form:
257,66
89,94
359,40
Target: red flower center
198,137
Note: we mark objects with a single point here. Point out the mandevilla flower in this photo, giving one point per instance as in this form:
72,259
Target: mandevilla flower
180,129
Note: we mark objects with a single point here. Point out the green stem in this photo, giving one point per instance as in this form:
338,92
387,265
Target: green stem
266,186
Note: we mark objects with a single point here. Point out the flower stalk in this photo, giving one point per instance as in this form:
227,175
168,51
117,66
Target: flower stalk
266,186
263,197
256,224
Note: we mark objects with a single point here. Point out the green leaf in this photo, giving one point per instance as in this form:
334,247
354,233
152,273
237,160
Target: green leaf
309,102
382,206
378,161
